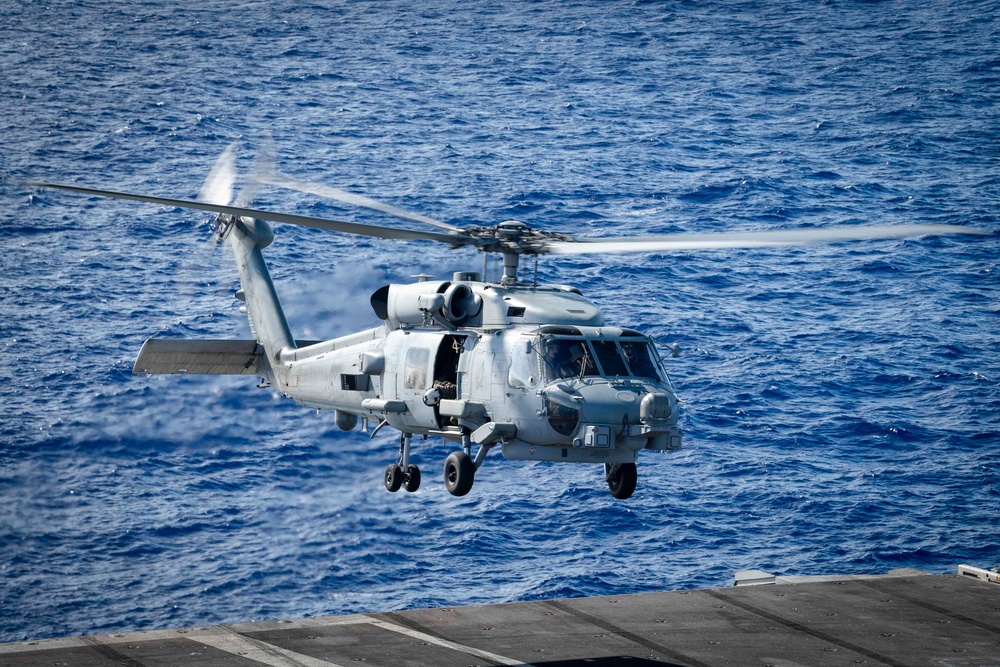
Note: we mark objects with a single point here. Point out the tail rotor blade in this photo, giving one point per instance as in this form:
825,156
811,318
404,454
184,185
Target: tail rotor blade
264,164
218,185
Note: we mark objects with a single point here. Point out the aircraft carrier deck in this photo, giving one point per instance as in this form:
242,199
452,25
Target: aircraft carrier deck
904,618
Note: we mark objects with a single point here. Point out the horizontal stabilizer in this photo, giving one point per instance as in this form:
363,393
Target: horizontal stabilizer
194,357
173,356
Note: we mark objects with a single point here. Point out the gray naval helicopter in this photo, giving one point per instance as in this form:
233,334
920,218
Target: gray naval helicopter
532,368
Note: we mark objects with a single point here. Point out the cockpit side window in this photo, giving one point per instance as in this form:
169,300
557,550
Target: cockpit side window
640,361
523,372
610,358
568,358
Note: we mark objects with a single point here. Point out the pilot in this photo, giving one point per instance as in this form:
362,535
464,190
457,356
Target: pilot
564,358
555,356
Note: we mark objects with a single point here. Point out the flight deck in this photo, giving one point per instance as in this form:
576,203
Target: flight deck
906,617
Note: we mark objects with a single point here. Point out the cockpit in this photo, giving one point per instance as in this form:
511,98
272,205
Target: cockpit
594,376
630,355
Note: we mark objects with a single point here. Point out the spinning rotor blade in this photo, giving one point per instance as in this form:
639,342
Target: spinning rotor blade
218,186
762,239
321,190
263,165
303,220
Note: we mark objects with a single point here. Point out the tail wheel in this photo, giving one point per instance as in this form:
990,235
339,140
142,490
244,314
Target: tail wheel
393,477
622,479
459,473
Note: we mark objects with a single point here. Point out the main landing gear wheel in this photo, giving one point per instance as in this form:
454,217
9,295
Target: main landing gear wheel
393,477
396,478
459,473
411,480
621,479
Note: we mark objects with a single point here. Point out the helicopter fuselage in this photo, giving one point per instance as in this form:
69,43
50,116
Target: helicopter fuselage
531,368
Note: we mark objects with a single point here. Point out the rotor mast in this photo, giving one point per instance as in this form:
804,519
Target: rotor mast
514,239
510,262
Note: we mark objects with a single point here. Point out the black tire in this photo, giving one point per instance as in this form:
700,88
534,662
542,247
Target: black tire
622,481
393,477
411,480
459,473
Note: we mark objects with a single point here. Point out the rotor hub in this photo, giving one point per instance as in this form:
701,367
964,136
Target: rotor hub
512,237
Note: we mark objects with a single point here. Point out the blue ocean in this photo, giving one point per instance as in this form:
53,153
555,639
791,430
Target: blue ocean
841,403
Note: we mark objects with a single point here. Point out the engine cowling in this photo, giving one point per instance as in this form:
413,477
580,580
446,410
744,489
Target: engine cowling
441,301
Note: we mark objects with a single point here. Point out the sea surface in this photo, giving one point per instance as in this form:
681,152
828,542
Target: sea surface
841,403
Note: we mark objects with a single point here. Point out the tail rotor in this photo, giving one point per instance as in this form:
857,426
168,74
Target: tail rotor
218,190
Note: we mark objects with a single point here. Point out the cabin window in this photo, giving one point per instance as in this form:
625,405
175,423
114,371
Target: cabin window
415,370
349,382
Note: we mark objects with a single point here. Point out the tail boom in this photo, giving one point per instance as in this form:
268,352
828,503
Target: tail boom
267,319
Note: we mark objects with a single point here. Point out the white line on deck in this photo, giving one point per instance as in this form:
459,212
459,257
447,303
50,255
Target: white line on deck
195,634
431,639
253,649
228,638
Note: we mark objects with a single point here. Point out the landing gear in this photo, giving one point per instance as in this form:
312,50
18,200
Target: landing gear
393,477
621,479
402,474
459,473
460,468
411,480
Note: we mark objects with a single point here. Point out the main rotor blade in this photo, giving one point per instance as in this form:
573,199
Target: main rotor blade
762,239
374,231
321,190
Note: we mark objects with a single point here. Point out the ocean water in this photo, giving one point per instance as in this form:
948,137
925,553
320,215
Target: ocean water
841,403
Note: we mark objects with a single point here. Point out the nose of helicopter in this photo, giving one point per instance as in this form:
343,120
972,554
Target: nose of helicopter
605,404
612,405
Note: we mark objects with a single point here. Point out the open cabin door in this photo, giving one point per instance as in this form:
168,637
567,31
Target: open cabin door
428,374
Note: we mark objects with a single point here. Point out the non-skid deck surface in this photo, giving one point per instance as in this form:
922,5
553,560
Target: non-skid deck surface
939,621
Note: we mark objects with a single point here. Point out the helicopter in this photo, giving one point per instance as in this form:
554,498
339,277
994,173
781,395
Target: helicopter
534,369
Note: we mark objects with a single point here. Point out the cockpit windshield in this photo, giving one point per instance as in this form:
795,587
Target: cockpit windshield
568,358
640,362
610,358
581,357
